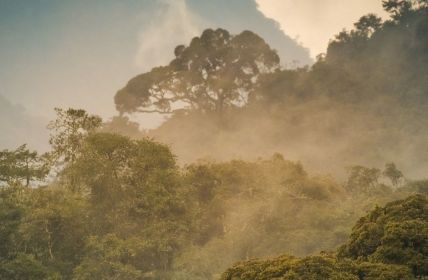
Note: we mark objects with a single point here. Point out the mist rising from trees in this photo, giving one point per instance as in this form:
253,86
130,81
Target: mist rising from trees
368,93
225,180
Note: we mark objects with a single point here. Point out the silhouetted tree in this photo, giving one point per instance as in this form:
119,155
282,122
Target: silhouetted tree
368,24
362,179
392,173
215,72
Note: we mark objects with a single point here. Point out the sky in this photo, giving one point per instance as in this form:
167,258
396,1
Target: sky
78,53
315,22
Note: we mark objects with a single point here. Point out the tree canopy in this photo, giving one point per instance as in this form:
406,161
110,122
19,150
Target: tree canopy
130,212
391,242
215,72
124,208
22,164
394,234
69,130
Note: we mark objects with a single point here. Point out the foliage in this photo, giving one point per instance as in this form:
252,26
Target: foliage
69,130
215,72
133,190
389,243
11,214
314,268
54,227
109,257
368,92
134,214
25,267
22,165
395,234
263,208
363,180
122,208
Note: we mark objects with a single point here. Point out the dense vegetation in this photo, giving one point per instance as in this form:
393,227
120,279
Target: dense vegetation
317,268
391,242
108,202
123,209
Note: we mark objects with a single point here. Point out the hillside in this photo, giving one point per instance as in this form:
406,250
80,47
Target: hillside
368,92
390,242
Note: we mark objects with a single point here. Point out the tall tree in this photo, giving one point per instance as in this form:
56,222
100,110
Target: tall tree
215,72
134,189
69,130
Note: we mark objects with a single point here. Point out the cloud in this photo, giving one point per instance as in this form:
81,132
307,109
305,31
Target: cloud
173,24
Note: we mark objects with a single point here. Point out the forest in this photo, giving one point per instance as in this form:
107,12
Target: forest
258,172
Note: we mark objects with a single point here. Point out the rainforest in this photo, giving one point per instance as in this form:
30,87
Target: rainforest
257,170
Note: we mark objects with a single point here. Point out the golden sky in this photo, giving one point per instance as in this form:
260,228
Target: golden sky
315,22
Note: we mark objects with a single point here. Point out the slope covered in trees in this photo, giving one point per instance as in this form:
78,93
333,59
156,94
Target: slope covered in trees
123,209
390,242
108,203
368,92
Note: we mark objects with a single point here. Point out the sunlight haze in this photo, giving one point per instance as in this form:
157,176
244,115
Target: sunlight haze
315,22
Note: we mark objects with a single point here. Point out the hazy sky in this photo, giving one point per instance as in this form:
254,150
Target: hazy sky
315,22
78,53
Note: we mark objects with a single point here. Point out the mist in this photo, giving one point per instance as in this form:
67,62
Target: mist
16,124
79,54
198,140
341,112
